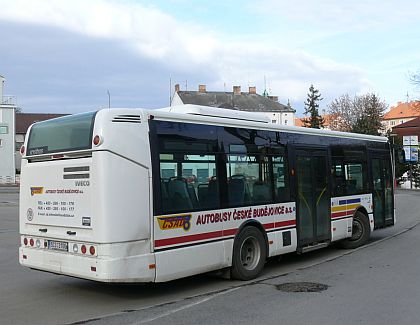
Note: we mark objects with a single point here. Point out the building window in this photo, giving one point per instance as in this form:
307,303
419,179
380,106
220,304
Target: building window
4,129
273,121
1,143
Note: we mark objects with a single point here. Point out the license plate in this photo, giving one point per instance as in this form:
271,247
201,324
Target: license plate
58,245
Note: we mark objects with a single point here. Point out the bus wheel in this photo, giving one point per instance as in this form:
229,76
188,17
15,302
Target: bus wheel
360,234
249,254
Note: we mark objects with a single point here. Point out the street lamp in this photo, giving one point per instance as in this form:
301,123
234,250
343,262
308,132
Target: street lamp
392,136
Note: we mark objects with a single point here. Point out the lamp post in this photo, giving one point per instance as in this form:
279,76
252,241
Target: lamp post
392,136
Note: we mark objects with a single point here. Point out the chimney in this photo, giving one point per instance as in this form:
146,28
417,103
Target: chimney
253,90
237,90
177,88
201,88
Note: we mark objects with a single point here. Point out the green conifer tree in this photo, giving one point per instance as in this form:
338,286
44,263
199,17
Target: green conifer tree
313,119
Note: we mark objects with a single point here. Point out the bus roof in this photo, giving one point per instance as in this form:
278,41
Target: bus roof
217,116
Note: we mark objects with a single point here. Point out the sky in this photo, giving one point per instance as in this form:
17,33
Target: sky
64,56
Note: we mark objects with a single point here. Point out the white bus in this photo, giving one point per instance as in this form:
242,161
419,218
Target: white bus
133,195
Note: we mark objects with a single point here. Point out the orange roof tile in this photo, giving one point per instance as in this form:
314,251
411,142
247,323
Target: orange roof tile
403,110
327,120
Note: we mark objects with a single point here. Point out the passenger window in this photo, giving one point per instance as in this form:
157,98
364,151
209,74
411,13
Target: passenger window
249,181
349,177
281,179
188,182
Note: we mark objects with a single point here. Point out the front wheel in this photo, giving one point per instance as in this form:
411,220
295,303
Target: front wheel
360,233
249,254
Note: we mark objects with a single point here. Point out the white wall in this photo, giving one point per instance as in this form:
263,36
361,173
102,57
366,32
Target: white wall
7,146
286,118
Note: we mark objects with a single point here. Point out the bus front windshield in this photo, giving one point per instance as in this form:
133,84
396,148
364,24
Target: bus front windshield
63,134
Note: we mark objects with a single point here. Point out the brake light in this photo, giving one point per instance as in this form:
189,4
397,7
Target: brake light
92,250
83,249
25,241
31,242
97,140
22,150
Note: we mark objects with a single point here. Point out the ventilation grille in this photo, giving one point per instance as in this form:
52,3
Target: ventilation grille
127,119
76,172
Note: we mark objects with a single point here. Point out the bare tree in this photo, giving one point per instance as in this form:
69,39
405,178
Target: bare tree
360,114
342,115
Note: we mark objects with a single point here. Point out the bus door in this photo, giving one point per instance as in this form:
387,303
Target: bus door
313,197
383,201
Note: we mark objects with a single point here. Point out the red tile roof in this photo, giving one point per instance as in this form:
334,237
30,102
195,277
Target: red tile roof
403,110
25,120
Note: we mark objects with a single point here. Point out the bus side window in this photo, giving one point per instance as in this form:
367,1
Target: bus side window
281,179
338,177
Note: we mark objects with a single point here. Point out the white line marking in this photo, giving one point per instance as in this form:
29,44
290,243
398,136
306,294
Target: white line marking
173,311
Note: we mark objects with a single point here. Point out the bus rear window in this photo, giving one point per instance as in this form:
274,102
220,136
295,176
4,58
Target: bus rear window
68,133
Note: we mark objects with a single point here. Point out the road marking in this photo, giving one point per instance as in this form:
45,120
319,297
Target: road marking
173,311
3,231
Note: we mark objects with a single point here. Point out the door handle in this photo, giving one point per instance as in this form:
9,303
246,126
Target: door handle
71,233
43,229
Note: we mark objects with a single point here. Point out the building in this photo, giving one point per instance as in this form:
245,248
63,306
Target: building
7,136
401,113
411,127
237,100
327,121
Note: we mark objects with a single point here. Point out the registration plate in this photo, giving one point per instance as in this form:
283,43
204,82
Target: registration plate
58,245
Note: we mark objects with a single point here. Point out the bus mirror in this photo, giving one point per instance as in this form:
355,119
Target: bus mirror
401,156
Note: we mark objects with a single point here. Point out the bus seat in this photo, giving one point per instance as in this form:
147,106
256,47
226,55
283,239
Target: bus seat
164,194
192,195
213,200
203,191
236,191
261,192
178,194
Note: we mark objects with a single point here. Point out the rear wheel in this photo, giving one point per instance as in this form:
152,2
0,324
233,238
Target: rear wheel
249,254
360,234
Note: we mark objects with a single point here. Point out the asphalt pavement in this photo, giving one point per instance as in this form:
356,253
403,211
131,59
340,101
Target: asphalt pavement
376,284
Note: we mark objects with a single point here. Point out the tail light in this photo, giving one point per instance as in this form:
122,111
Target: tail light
97,140
92,250
83,249
25,241
31,242
22,150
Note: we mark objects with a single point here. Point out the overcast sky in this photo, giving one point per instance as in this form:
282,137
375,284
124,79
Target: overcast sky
63,56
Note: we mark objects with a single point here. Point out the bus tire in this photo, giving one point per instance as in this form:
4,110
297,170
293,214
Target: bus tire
249,254
361,232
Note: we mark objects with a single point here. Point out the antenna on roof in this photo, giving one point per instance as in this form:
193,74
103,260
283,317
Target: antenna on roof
265,93
109,98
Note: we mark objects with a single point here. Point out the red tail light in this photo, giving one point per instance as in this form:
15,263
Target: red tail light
92,250
83,249
31,242
22,150
97,140
25,241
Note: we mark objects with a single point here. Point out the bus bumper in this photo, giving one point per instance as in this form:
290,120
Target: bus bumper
138,268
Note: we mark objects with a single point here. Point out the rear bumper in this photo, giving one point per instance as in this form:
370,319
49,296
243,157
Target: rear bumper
105,269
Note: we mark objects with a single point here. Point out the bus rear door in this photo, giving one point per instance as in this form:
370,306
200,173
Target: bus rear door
313,198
